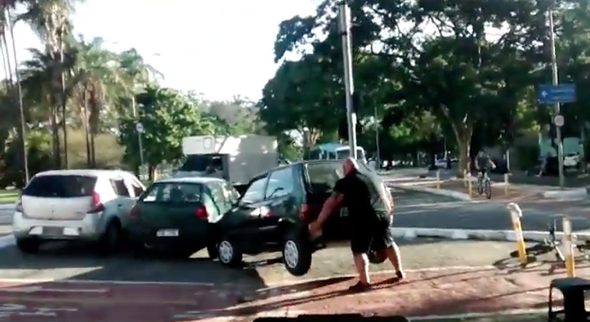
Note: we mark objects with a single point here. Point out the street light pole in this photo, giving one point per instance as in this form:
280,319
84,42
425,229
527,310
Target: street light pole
555,80
345,22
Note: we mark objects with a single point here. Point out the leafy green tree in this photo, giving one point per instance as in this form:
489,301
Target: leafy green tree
167,116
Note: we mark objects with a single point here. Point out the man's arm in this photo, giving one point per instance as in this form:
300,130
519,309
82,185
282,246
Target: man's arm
333,202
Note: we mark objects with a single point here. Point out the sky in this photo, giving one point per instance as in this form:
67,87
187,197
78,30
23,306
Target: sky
219,48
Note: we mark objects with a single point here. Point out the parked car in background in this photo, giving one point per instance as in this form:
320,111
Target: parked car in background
85,205
273,214
175,215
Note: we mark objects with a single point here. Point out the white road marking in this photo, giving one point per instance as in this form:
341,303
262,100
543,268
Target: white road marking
24,281
476,315
34,289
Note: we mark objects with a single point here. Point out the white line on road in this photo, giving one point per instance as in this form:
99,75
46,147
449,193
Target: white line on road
34,289
24,281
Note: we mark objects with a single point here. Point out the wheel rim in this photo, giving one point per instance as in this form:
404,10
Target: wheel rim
291,254
226,252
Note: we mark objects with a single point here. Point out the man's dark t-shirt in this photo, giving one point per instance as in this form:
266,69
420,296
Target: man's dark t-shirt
365,206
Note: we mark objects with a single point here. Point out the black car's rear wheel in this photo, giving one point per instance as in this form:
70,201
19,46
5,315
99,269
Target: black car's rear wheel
297,253
227,253
28,245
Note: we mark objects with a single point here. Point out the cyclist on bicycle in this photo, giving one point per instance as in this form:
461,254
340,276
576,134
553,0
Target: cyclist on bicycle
483,164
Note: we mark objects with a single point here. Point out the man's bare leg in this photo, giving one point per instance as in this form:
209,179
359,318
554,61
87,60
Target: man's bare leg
361,262
392,254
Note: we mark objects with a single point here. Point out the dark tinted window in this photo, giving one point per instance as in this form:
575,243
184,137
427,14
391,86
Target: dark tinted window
60,186
255,191
173,192
202,162
120,188
280,183
323,176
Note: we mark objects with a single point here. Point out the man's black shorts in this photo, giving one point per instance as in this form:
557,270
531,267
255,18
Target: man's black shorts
371,237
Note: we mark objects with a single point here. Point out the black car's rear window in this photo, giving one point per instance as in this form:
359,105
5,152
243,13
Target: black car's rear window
174,192
60,186
323,176
202,163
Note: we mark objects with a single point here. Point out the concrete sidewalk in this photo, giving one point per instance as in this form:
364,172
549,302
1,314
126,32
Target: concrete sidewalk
429,294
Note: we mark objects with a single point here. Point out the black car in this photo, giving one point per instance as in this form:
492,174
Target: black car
273,213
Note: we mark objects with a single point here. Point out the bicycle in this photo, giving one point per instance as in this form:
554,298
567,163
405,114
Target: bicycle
484,184
551,245
546,246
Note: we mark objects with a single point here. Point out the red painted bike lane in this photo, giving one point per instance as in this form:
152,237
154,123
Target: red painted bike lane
428,292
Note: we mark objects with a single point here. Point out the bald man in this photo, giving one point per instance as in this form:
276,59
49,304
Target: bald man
370,207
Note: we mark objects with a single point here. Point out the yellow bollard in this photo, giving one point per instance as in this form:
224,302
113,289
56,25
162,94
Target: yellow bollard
568,244
438,183
506,183
515,215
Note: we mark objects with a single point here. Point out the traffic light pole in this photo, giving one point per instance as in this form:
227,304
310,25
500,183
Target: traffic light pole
345,22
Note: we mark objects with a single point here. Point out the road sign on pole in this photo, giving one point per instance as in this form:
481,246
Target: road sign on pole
559,121
560,93
139,127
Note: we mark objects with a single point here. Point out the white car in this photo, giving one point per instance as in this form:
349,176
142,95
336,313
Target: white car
85,205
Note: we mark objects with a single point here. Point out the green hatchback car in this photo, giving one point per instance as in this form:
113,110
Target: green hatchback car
176,215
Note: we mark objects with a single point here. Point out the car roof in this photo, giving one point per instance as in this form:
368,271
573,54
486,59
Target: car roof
191,180
296,164
83,172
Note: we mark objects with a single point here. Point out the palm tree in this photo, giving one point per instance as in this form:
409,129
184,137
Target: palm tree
6,24
50,20
95,83
135,73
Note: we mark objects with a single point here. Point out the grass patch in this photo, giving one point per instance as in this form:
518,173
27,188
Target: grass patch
8,196
529,317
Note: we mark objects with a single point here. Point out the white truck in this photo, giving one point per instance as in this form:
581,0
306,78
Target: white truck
236,159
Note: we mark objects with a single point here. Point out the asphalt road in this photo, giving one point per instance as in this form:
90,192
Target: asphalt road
79,262
441,212
412,210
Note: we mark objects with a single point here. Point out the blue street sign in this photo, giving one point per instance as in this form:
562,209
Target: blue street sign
561,93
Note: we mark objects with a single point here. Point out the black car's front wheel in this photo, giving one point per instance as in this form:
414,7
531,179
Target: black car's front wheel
296,254
227,253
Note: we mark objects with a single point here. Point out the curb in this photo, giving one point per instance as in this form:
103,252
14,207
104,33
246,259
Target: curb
7,206
441,192
477,234
570,194
6,241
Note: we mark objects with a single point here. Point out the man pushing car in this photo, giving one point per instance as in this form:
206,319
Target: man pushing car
370,207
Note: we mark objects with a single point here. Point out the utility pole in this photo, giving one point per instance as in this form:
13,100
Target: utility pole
345,23
555,81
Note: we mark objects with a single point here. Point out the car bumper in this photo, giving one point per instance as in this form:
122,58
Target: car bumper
148,238
83,229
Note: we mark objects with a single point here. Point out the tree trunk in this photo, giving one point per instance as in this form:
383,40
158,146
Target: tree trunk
463,133
152,172
64,101
56,149
19,94
86,131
